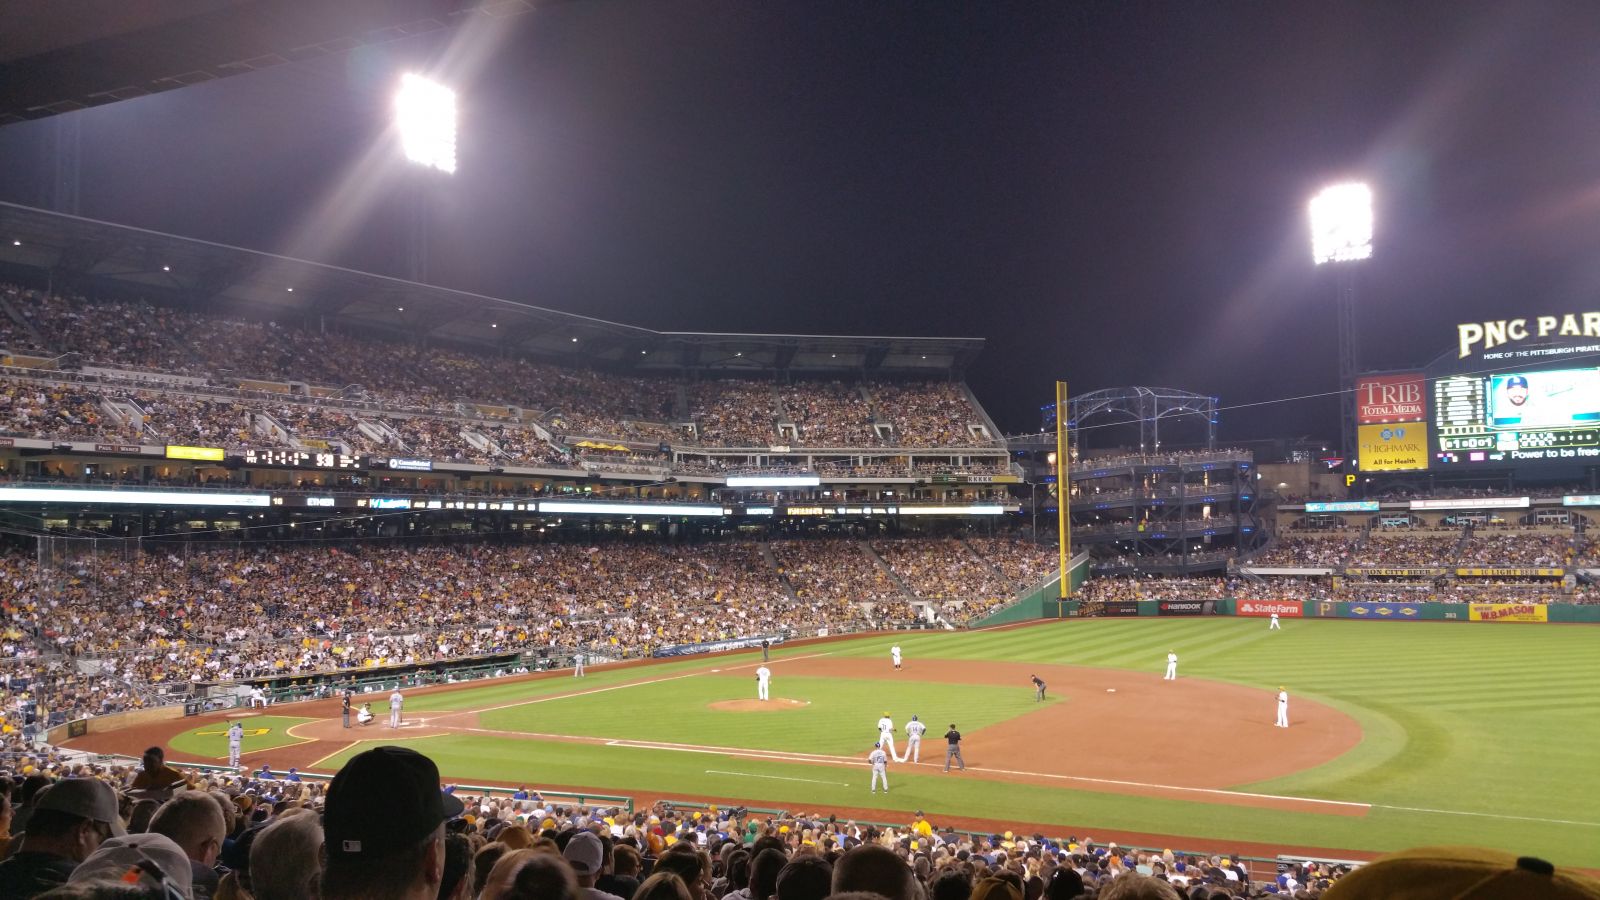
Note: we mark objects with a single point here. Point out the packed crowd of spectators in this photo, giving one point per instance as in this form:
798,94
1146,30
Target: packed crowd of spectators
828,414
1315,549
927,414
574,401
106,631
947,571
59,412
284,835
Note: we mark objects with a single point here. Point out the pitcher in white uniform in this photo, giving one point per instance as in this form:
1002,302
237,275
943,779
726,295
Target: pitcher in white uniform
763,682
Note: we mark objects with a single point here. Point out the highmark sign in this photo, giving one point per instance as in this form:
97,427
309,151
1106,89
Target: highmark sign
1472,336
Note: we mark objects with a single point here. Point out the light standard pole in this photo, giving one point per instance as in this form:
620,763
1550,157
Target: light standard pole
1341,234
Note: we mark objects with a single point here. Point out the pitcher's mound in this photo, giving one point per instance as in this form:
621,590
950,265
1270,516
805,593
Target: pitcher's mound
776,703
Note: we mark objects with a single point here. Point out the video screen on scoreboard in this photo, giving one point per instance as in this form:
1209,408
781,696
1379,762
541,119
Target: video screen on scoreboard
1515,417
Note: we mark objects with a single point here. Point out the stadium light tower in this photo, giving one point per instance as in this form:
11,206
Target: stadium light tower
1341,234
425,114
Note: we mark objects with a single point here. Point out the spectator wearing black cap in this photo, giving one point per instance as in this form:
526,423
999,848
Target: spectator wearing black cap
383,828
71,819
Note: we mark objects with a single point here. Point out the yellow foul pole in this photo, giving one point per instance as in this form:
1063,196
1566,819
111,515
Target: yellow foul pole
1063,492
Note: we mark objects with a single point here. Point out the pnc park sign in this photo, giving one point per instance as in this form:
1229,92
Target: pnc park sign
1474,336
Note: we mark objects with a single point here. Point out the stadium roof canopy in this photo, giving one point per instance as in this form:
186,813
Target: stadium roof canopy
117,260
55,60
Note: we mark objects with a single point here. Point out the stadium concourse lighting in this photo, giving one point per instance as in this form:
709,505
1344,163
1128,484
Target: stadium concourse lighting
425,113
1341,223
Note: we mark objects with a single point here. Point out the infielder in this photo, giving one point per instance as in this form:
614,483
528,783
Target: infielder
235,738
880,768
1283,707
395,702
1038,688
1172,666
763,680
894,653
886,736
577,666
1274,626
914,732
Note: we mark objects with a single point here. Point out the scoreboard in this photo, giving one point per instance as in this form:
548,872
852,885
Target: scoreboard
301,459
1516,417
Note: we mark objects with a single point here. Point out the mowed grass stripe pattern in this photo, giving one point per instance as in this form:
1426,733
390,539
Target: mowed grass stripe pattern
1471,718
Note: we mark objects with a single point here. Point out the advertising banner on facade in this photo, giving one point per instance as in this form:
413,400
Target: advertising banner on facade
1508,612
1286,608
1393,448
1384,399
1120,608
1384,610
1511,573
1185,607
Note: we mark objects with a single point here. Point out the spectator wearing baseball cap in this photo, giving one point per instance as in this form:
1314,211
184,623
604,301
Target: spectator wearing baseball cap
147,860
1462,873
70,820
586,854
383,827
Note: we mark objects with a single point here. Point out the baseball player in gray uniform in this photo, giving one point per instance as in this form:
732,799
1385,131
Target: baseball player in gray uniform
395,702
880,768
914,732
235,738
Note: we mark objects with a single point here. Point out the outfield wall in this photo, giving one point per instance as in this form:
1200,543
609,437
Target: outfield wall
1428,611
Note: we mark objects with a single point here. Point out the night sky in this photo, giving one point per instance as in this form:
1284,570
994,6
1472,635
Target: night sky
1112,193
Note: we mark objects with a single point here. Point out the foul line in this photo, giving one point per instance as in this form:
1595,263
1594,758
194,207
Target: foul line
349,746
776,777
1484,815
617,687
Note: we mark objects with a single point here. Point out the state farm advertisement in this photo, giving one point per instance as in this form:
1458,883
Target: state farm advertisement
1382,399
1291,608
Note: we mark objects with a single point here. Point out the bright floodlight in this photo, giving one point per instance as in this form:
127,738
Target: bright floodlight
426,115
1341,223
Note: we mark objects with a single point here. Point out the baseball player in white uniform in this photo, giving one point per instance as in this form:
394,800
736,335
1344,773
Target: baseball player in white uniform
880,768
235,738
1283,707
763,682
914,731
577,665
395,702
886,736
1274,626
894,653
1172,666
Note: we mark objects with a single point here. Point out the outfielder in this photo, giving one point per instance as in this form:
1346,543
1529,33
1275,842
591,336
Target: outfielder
894,653
886,736
1274,624
880,768
235,738
395,702
914,732
577,666
1283,707
763,680
1172,666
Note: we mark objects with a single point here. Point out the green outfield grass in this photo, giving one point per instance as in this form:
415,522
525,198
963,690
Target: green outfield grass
211,739
1474,733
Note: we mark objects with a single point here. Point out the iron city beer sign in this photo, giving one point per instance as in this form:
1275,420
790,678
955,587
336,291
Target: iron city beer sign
1471,336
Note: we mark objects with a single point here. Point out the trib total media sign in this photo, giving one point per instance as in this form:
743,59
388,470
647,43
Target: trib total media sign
1383,399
